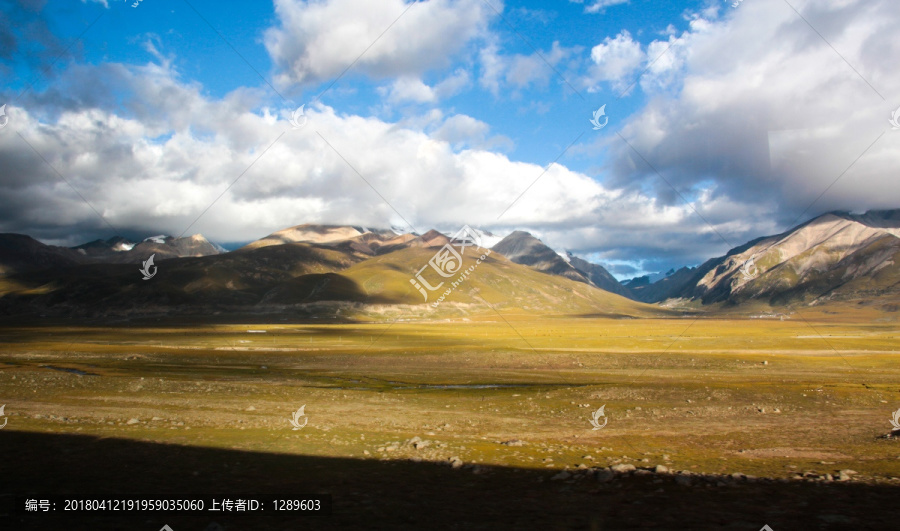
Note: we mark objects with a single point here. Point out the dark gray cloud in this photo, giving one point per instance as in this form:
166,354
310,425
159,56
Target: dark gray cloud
766,114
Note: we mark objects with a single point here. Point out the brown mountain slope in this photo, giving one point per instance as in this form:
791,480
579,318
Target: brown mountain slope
600,277
212,283
304,279
497,281
20,253
832,257
523,248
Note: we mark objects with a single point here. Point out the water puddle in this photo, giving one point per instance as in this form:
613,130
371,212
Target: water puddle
79,372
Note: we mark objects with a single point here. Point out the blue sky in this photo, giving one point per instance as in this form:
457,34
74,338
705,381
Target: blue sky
447,119
540,120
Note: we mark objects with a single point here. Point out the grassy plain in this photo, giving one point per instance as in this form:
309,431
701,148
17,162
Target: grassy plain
760,396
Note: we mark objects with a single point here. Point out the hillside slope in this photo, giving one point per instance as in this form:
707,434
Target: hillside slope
523,248
835,256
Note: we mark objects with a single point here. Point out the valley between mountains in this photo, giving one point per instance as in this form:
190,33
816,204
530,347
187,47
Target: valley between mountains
722,386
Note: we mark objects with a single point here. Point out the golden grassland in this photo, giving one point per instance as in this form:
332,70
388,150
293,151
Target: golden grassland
766,397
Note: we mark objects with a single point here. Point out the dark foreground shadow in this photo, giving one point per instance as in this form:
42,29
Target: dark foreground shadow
369,494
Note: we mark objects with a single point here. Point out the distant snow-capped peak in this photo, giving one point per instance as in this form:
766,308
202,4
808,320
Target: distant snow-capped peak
159,238
484,238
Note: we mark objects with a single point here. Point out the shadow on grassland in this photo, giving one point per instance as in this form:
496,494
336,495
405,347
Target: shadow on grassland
371,494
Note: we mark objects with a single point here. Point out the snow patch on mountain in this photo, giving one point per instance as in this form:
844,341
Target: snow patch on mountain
159,238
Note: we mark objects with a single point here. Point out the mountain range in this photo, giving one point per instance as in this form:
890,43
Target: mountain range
329,269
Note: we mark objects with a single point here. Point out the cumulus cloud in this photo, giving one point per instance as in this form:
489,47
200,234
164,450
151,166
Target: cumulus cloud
316,40
767,115
156,168
614,60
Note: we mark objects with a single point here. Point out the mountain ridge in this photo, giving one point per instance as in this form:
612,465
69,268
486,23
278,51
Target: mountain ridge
836,256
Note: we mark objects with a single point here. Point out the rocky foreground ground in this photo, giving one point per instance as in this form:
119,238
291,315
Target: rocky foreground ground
412,493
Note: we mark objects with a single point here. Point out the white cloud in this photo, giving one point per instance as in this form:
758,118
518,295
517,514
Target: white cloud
492,68
413,89
317,39
410,89
598,6
453,84
461,131
436,171
765,113
518,71
614,60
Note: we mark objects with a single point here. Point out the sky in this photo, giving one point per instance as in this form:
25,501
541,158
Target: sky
721,121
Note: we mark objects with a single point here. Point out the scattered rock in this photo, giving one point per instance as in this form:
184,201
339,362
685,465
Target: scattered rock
513,442
418,443
562,475
846,474
132,421
455,462
661,469
623,469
